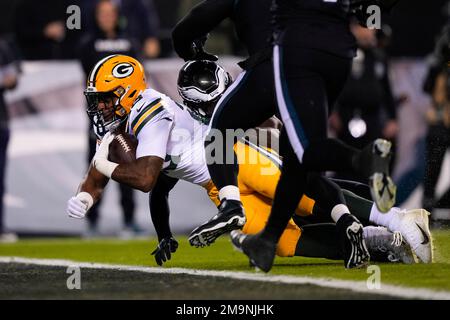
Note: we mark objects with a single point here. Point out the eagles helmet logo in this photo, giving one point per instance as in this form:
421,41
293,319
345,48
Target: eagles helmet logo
202,81
122,70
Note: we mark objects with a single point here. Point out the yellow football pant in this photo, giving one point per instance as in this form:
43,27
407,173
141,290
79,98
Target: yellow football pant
259,172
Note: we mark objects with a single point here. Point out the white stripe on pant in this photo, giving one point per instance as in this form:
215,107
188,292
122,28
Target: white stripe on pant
225,95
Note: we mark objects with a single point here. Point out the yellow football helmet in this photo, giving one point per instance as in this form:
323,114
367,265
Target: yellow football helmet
116,80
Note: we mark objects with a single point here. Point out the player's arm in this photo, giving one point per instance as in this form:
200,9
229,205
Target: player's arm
93,183
159,205
89,192
140,174
152,129
197,24
160,212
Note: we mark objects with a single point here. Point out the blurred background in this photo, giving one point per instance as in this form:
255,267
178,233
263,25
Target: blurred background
399,89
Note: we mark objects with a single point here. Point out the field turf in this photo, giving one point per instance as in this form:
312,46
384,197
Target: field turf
219,256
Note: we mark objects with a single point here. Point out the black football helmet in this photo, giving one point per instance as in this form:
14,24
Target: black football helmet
201,83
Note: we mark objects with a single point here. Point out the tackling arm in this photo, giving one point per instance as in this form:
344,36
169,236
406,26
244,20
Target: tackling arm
159,210
159,205
196,24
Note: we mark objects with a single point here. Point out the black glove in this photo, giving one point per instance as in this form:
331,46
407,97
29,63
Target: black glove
200,53
163,252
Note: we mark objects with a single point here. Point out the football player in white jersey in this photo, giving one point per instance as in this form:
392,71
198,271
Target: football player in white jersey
170,139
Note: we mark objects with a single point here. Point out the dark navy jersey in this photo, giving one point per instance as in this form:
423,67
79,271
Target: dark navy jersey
289,10
294,10
252,20
315,24
324,24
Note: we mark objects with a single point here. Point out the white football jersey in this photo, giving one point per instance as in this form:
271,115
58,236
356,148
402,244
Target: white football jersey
170,131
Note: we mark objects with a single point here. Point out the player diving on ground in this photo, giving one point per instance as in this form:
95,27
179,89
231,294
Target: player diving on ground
170,148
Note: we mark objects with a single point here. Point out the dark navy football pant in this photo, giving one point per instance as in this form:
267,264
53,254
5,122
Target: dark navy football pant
247,103
307,84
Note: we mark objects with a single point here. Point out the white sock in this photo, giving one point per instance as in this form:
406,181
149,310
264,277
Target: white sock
338,211
230,192
390,219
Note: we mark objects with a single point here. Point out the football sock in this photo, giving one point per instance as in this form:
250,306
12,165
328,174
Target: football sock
338,211
390,219
230,192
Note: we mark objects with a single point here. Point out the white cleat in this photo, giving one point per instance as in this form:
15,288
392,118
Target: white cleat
414,227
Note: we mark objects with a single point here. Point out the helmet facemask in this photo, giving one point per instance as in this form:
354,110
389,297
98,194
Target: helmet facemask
104,110
203,110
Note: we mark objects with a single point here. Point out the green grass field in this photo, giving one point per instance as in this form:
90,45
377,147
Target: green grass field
221,256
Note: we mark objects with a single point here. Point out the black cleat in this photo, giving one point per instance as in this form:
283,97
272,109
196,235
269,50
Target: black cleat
350,232
260,252
230,217
373,162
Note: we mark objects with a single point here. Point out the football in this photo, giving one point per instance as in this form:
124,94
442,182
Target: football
123,148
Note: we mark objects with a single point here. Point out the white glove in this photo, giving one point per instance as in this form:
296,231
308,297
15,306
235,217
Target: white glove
100,160
78,206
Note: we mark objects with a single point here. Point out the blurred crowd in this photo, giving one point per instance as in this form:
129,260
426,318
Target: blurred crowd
415,37
39,30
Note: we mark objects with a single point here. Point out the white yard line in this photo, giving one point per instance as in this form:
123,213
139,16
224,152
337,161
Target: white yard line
357,286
